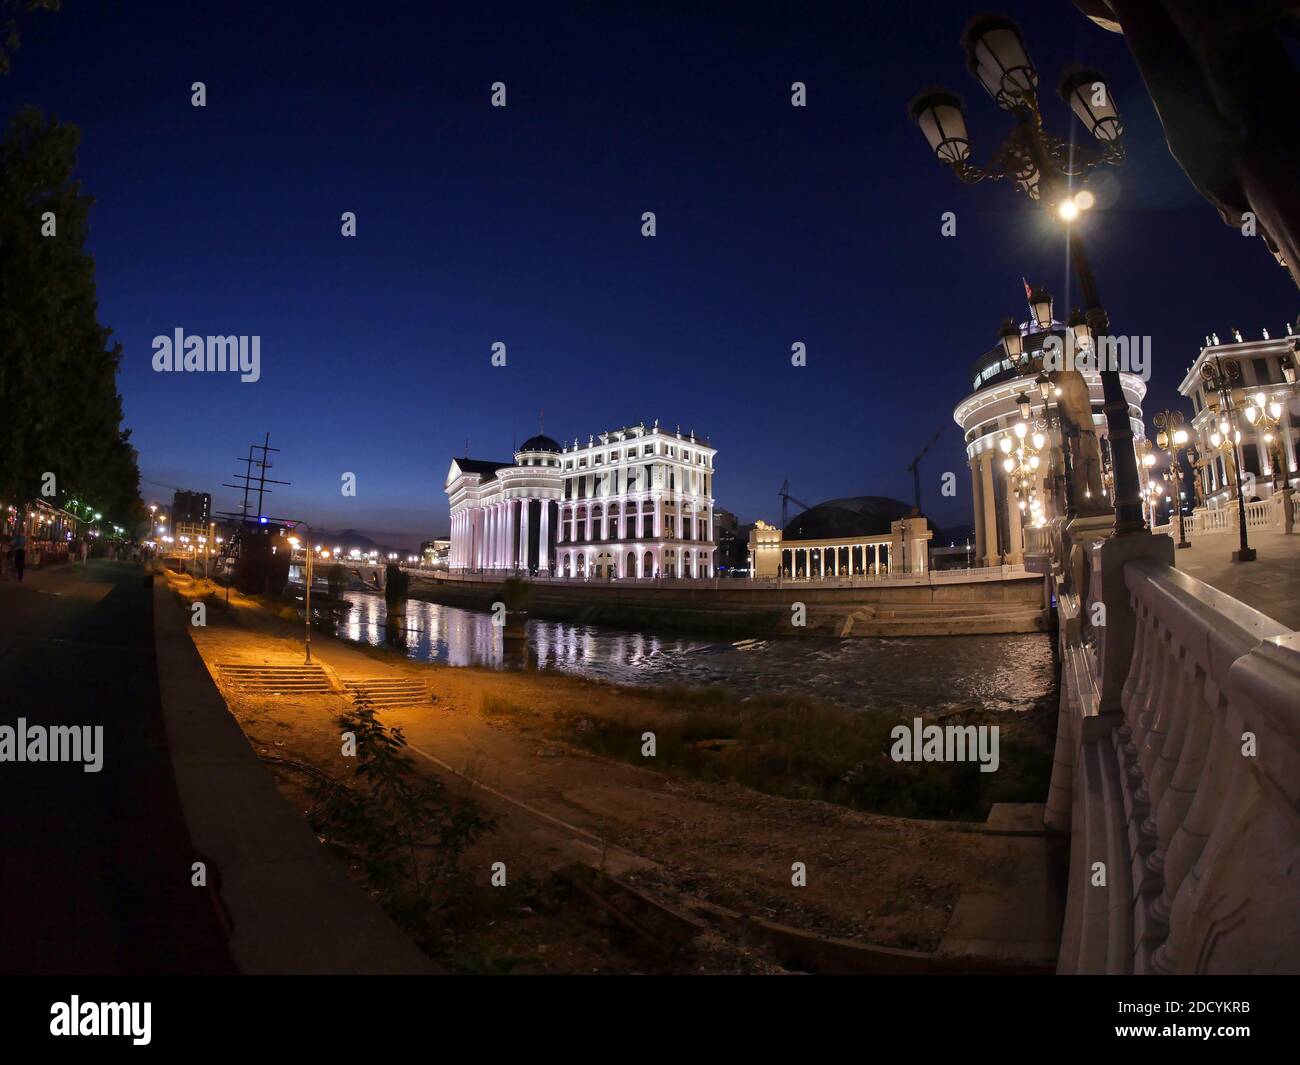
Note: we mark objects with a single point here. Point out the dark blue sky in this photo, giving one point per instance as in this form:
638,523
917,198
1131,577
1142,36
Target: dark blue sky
476,224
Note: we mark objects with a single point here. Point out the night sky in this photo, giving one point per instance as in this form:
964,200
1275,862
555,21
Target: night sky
477,224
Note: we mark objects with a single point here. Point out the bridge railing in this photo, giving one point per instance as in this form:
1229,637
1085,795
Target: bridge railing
1177,770
1210,759
1270,515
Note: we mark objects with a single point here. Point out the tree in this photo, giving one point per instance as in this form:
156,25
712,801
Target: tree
10,38
60,411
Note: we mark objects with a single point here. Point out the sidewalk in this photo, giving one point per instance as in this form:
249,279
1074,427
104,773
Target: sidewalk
94,867
1270,584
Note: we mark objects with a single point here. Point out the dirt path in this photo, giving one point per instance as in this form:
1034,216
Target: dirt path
880,880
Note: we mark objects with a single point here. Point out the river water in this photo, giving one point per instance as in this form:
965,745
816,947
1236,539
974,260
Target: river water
932,674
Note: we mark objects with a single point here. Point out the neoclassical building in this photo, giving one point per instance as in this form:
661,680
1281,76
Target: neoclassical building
1268,446
991,413
502,513
632,502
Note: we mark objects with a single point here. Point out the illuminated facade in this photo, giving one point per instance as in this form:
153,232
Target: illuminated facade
631,503
990,415
1264,449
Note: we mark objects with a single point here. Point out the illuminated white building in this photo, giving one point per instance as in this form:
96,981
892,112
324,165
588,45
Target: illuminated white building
632,502
1265,366
992,411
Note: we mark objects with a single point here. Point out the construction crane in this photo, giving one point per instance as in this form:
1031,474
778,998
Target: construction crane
786,497
915,467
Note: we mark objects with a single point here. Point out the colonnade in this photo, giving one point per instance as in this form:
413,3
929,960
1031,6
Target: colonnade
984,469
498,535
868,558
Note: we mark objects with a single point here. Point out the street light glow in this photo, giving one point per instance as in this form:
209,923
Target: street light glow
1068,211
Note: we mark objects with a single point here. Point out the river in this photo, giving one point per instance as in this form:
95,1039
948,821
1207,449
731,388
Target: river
1007,673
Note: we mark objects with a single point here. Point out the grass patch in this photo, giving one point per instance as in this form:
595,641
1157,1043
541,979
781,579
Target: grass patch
799,748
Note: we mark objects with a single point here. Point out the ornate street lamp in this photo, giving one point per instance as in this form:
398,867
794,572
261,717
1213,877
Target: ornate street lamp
1043,166
1265,416
1221,377
1013,344
1172,438
1040,301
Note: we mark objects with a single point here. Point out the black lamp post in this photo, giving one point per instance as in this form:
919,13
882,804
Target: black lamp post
1171,438
1041,165
1221,377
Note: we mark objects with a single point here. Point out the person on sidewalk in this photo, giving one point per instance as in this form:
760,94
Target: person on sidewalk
19,548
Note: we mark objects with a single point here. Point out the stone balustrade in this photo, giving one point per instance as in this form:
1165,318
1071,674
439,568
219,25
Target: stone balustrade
1268,515
1177,770
1038,540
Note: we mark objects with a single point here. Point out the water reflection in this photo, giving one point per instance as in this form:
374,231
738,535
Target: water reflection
888,675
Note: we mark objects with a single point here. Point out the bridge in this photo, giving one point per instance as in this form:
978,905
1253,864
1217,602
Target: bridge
1177,764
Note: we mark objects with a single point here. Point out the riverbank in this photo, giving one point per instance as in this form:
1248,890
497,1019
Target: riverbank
685,826
935,604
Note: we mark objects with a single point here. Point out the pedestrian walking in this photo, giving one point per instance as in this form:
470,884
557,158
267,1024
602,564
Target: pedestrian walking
18,547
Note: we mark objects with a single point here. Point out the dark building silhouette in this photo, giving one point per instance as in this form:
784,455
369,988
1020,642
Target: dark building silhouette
194,508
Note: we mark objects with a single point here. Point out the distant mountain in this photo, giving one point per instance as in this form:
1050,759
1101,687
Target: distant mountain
351,538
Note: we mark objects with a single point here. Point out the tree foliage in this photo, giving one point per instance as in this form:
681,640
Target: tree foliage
10,37
60,411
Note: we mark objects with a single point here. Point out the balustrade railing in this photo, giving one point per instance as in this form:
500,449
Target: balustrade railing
1038,540
1264,514
1177,771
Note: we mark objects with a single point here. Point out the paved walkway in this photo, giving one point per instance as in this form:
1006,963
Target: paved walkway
1270,584
94,867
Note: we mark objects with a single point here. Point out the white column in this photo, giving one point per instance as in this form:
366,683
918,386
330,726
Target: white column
543,552
524,506
512,508
659,517
1289,451
1016,554
990,516
875,558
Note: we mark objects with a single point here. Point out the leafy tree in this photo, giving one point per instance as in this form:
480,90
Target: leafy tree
10,38
59,407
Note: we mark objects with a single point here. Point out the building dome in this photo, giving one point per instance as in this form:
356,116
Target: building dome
855,516
540,443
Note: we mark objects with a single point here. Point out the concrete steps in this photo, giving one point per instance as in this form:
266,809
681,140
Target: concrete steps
387,693
268,679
